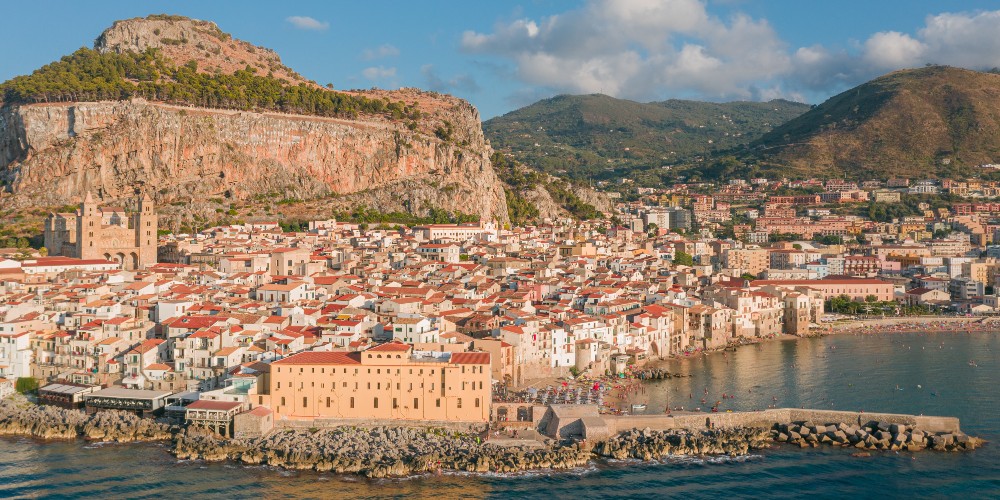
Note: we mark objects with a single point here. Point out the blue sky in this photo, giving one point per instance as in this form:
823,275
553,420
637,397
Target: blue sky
503,55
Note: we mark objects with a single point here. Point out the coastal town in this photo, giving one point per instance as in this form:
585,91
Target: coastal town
245,328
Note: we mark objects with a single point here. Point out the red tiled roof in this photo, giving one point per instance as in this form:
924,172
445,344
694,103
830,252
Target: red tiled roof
321,358
391,347
470,358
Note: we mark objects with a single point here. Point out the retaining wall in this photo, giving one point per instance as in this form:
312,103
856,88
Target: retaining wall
766,418
329,423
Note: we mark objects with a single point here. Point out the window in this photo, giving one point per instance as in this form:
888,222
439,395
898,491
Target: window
282,401
459,402
416,403
477,402
395,405
437,401
376,402
328,402
305,402
352,402
345,385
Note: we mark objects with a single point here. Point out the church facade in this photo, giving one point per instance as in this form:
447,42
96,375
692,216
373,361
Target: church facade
95,232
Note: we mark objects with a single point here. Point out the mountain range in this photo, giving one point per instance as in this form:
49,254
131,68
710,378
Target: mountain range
935,121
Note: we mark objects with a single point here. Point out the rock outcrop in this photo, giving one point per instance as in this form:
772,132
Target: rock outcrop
376,452
18,417
648,444
52,154
182,40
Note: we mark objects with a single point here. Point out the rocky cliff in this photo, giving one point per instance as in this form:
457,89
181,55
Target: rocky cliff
197,161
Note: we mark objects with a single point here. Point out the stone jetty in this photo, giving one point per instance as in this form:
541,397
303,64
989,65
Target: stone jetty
874,435
19,417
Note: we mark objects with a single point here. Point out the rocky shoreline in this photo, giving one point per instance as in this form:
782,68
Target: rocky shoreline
20,417
648,445
376,452
381,452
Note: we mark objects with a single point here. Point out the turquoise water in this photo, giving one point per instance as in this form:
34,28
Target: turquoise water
844,372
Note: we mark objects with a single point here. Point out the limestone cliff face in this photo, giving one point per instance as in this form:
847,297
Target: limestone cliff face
52,154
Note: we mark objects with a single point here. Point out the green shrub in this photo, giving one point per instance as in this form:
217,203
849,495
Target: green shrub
25,385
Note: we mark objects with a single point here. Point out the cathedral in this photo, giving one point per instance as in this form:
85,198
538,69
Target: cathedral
109,233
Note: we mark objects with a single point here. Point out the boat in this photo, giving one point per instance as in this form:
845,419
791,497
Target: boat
638,407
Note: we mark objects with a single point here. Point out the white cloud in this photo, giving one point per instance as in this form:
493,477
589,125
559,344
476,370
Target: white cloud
378,72
640,49
382,51
654,49
892,50
963,39
307,23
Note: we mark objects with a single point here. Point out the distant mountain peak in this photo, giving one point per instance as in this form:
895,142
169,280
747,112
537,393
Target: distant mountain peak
923,121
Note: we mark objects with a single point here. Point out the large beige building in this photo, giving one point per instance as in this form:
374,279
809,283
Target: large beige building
386,382
747,260
858,289
109,233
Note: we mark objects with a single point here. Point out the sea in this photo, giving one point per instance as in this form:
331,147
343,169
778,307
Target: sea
953,374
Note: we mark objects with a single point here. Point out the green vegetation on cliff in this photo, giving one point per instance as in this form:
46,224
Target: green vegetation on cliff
365,215
89,75
519,179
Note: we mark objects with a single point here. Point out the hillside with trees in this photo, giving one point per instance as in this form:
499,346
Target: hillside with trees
597,137
932,121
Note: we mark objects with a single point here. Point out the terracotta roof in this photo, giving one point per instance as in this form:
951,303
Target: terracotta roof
470,358
260,411
321,358
391,347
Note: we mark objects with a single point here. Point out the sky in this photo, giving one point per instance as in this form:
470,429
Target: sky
502,55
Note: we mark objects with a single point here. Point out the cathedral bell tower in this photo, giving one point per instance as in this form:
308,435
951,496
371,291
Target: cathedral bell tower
145,231
88,228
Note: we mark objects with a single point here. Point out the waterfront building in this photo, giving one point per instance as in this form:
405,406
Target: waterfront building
386,382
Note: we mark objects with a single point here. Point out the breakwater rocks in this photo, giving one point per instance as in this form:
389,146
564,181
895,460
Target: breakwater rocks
656,374
872,436
18,417
376,452
647,444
